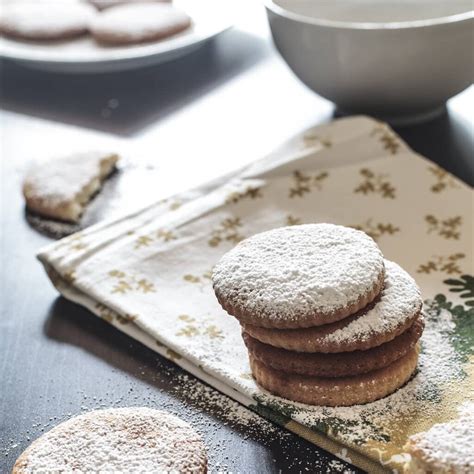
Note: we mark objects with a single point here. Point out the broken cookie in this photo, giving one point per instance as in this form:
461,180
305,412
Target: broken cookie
61,188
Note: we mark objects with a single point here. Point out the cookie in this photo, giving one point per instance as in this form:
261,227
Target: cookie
337,391
103,4
445,447
398,306
117,440
299,276
51,228
39,21
61,188
336,365
138,23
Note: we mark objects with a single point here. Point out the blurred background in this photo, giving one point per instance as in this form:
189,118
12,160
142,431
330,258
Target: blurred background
234,99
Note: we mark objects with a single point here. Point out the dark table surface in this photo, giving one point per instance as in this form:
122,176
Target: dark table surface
222,107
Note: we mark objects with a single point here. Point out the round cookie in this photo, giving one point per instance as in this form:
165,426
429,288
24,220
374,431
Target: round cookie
398,306
335,365
138,23
299,276
103,4
444,448
339,391
40,21
117,440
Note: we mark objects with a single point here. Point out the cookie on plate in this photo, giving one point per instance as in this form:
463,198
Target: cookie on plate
138,23
336,391
392,313
41,21
445,447
60,188
299,276
103,4
117,440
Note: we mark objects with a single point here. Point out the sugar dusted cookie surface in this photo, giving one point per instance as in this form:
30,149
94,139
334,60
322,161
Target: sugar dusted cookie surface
300,276
391,314
103,4
45,21
60,188
117,440
445,447
138,23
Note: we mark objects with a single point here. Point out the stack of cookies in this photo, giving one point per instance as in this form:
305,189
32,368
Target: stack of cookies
325,318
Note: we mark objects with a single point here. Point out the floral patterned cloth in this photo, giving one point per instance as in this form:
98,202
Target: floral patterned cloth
148,274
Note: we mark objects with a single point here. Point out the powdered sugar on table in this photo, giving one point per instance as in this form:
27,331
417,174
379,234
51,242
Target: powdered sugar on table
118,439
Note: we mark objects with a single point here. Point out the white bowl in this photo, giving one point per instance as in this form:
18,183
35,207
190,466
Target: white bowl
397,60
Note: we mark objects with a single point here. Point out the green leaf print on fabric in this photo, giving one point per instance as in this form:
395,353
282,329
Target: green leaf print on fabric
278,412
335,426
281,413
271,415
462,334
464,286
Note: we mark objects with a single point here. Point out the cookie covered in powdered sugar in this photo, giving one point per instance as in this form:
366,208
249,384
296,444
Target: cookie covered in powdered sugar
391,314
117,440
445,447
40,21
299,276
61,187
103,4
138,23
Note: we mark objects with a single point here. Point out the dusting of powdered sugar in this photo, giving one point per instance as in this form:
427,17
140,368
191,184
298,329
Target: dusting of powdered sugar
439,367
337,466
298,457
290,271
399,301
447,446
60,180
204,397
137,22
40,20
118,440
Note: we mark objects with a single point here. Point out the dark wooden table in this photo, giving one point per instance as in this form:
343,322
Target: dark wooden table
194,119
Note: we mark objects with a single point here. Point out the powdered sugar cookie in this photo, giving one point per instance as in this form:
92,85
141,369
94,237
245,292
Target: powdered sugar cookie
117,440
392,314
103,4
138,23
60,188
40,21
445,447
339,391
335,365
299,276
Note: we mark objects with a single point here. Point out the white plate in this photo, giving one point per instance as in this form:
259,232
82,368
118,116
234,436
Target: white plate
83,55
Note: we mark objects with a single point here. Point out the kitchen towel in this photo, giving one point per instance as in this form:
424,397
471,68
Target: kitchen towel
149,275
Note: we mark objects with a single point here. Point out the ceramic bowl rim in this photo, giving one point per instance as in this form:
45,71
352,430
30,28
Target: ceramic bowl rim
280,11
